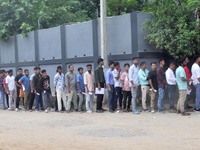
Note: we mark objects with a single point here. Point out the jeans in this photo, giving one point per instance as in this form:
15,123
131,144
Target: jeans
47,96
161,93
89,101
171,95
127,95
197,101
133,101
3,99
119,96
81,100
111,98
38,101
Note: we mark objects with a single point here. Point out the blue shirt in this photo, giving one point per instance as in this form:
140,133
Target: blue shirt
26,82
80,80
180,73
109,77
133,74
143,75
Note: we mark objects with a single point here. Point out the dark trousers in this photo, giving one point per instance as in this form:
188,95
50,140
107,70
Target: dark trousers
171,95
38,101
100,98
127,95
7,100
118,96
111,98
18,98
32,98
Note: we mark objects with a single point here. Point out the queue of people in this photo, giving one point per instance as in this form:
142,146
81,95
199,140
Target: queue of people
77,92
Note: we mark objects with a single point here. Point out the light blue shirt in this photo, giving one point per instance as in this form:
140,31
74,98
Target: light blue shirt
180,73
133,74
143,75
26,82
59,82
81,82
109,77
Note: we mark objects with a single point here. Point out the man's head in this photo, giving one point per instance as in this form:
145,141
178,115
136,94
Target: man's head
20,71
80,70
172,65
153,66
111,65
37,70
161,62
26,72
117,65
197,59
100,62
89,67
44,73
135,61
71,68
10,72
1,73
143,65
59,69
182,61
126,67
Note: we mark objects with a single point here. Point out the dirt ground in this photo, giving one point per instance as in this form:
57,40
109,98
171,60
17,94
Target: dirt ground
74,131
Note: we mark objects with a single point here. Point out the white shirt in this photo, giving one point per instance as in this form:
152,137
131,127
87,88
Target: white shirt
133,75
117,82
170,77
195,73
10,80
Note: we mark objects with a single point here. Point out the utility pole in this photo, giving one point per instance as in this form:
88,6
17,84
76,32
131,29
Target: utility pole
103,29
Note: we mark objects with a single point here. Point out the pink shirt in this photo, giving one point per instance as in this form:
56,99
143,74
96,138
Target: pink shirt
89,81
125,81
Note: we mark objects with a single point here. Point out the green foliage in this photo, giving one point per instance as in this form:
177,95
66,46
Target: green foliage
173,29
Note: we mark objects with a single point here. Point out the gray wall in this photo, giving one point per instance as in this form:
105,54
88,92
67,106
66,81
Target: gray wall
77,44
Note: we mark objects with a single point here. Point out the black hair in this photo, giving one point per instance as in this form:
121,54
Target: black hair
59,67
43,71
99,60
142,63
1,71
19,69
80,68
26,70
36,68
155,63
70,65
126,64
116,63
134,58
9,71
174,63
181,60
196,56
110,63
89,65
161,59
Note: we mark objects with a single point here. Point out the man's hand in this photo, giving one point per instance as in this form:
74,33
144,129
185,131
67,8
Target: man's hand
99,87
134,86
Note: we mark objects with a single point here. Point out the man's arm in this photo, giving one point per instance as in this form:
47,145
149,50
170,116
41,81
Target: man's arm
67,83
17,84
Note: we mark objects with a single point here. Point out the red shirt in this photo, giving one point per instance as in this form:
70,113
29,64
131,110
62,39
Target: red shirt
187,72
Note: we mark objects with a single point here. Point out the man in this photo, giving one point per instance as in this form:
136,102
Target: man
182,86
32,95
189,90
2,91
171,84
143,79
153,85
134,82
126,88
196,80
71,84
161,85
10,89
81,88
89,88
18,86
118,85
44,85
37,91
110,86
59,83
25,82
100,83
4,85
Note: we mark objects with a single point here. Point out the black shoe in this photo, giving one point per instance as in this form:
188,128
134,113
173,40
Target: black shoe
189,107
103,109
99,111
185,114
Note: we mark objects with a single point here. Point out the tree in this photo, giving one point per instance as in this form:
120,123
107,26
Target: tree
173,29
